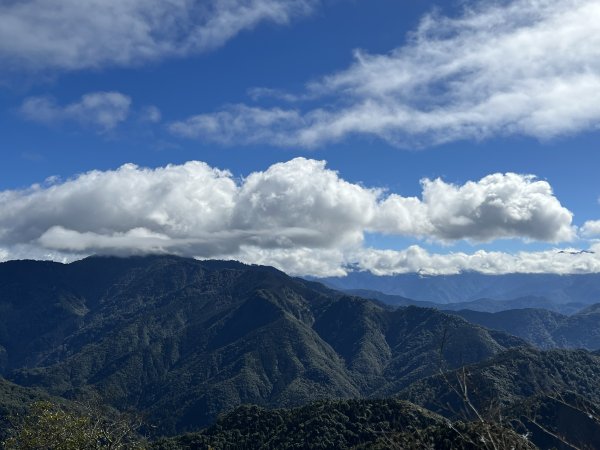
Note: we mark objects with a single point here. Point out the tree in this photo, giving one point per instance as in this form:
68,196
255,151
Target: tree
48,426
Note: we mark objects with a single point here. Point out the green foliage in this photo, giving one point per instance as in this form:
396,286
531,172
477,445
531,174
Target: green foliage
320,425
50,426
456,436
356,424
14,401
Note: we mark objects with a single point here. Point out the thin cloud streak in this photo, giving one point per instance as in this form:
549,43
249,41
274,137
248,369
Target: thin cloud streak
523,67
81,34
100,110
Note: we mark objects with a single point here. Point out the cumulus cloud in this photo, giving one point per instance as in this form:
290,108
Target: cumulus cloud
79,34
297,215
498,205
319,262
500,68
590,229
312,205
417,259
191,209
100,110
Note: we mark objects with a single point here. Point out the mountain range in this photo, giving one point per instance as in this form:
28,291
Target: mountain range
341,424
183,342
551,395
579,289
482,304
545,329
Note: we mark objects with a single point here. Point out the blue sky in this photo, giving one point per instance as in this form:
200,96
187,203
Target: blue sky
388,93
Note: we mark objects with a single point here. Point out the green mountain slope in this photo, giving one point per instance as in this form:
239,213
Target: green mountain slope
183,340
323,425
510,377
543,328
546,393
15,400
350,424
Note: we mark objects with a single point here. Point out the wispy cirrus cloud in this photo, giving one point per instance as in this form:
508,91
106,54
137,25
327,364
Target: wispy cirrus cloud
100,110
518,67
82,34
298,215
253,125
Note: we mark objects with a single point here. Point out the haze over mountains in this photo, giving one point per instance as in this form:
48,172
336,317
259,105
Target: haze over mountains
581,289
544,329
182,341
482,304
566,319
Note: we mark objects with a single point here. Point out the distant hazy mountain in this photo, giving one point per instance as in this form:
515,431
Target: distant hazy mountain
544,329
483,304
184,340
469,286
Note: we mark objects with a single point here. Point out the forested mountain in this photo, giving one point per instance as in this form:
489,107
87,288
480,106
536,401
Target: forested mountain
554,392
14,401
511,377
545,329
535,319
325,424
583,289
183,340
185,343
358,424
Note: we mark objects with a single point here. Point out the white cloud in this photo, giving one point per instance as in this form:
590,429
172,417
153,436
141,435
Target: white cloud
296,215
79,34
191,209
253,125
100,110
590,229
417,259
150,114
498,205
501,68
301,203
24,251
319,262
